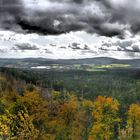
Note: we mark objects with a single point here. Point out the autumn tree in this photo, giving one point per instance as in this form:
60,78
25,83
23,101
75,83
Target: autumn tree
36,106
71,120
5,131
106,121
22,127
133,122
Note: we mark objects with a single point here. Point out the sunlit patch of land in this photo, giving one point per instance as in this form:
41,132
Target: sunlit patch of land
85,67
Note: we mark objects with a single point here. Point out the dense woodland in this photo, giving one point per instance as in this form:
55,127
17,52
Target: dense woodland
31,111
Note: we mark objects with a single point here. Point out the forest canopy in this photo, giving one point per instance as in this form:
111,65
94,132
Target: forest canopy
27,114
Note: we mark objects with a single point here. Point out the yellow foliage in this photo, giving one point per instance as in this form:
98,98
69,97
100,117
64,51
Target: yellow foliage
69,110
105,118
24,130
36,106
133,122
55,93
87,104
47,137
4,127
2,78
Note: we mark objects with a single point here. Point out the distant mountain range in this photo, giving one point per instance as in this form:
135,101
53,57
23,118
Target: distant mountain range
33,62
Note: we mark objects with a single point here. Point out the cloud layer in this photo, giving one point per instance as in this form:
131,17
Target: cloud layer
67,46
53,17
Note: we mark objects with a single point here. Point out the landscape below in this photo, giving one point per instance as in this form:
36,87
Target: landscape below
88,99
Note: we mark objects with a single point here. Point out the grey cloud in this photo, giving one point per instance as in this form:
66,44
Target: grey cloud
9,12
125,12
78,1
126,46
75,46
86,47
122,44
48,51
26,46
136,48
2,51
92,16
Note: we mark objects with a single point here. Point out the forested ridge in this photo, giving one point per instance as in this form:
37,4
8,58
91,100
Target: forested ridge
30,112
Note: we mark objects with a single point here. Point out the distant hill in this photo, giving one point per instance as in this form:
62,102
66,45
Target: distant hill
31,62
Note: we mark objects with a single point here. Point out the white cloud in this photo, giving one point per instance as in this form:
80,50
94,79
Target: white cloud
61,46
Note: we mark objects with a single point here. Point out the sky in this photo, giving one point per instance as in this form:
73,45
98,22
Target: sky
67,29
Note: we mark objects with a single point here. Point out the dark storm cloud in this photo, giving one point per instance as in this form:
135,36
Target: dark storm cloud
104,17
10,10
26,46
